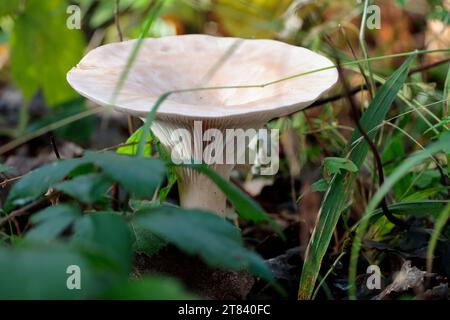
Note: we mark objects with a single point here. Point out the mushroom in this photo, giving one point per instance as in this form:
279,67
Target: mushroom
181,62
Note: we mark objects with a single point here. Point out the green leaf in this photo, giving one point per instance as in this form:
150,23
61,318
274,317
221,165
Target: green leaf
52,221
88,188
141,176
216,240
334,165
171,176
146,241
445,136
427,178
38,181
415,208
133,148
320,185
41,273
150,288
424,194
411,162
43,50
336,198
106,234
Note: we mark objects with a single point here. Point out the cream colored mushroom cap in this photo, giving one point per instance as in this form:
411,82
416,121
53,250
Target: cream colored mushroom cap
185,62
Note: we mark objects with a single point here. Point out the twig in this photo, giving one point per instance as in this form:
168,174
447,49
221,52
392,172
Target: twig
427,66
115,196
23,211
130,125
54,146
116,20
4,183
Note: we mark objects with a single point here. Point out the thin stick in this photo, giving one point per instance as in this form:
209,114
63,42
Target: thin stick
349,45
116,20
4,183
115,196
22,211
54,146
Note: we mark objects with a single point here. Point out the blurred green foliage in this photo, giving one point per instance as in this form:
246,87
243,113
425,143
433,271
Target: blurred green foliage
43,49
83,229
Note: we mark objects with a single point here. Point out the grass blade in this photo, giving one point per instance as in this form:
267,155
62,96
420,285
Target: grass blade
337,195
438,227
401,171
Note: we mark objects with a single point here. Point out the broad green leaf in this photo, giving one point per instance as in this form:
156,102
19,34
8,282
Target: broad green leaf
150,288
37,182
88,188
41,273
334,165
146,241
141,176
52,221
43,49
106,234
133,140
216,240
336,198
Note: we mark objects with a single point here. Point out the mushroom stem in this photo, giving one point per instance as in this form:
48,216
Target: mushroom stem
198,191
184,139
